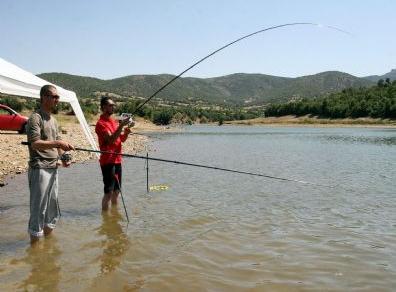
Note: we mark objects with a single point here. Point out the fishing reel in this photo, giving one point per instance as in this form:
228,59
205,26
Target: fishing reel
128,116
66,157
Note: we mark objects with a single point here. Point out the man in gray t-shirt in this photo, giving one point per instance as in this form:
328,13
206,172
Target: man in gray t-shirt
45,146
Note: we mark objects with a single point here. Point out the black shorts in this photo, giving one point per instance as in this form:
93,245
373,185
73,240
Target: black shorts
110,172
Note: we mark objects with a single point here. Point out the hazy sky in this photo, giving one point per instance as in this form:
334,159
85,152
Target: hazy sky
109,39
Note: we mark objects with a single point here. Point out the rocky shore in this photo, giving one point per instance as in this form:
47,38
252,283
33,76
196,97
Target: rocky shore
14,156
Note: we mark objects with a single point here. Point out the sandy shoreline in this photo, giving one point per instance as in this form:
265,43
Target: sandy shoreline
14,156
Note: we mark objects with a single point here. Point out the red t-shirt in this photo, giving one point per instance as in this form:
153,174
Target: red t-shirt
107,126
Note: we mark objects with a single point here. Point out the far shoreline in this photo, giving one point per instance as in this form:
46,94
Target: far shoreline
307,121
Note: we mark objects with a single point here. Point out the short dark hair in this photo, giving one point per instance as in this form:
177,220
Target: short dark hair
46,90
104,101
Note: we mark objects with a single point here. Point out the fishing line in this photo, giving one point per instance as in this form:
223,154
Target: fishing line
231,43
192,66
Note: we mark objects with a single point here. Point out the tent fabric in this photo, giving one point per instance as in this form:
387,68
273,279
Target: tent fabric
16,81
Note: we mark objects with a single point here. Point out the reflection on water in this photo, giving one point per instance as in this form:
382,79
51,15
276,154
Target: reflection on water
360,139
115,243
45,270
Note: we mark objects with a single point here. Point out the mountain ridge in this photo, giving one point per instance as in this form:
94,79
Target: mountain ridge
232,89
391,75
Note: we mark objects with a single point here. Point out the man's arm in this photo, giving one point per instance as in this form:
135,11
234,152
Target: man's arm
109,138
126,133
43,145
34,136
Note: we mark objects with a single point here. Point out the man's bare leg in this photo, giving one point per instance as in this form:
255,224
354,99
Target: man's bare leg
105,201
114,197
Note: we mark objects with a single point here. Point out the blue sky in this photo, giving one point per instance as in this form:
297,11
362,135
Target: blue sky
109,39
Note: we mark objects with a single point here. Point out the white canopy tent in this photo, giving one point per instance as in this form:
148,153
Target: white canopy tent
16,81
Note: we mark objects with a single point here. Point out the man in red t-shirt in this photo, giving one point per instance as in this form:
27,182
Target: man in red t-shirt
110,135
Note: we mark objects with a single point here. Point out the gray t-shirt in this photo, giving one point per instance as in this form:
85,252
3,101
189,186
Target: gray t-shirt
42,126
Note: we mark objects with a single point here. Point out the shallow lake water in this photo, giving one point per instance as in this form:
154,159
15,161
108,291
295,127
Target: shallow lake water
219,231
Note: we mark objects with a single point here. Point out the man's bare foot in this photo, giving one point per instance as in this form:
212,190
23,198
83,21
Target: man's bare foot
34,239
105,202
114,198
47,231
105,206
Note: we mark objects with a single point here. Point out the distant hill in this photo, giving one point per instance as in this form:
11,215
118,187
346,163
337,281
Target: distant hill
83,86
234,89
377,102
391,75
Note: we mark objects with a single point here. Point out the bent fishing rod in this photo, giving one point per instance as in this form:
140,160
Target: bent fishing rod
229,44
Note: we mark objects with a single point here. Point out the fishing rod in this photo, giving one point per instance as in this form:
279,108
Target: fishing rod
199,165
122,196
231,43
68,157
